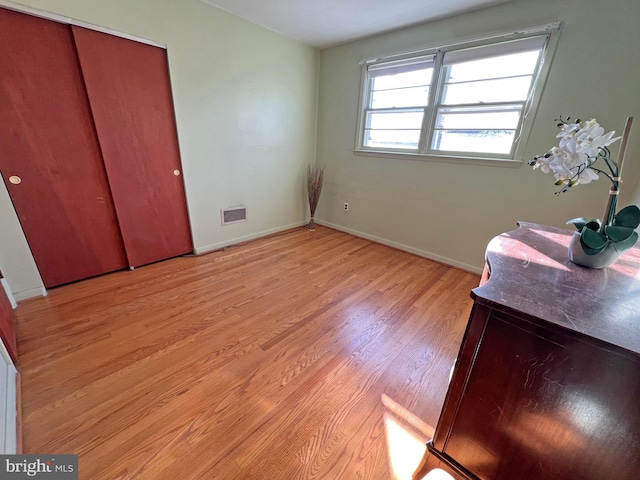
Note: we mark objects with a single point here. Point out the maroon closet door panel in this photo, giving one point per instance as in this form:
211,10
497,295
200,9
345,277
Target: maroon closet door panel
8,325
47,139
130,96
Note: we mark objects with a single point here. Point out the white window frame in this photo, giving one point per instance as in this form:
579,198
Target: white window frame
549,31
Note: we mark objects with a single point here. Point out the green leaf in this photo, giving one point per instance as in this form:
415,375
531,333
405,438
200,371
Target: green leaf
587,250
618,234
593,241
628,217
578,222
626,244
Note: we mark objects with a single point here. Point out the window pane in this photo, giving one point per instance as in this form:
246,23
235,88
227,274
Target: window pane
386,139
465,119
404,97
477,141
495,67
476,107
394,120
402,80
488,91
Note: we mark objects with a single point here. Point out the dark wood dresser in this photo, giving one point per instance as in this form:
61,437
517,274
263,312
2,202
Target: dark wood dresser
547,380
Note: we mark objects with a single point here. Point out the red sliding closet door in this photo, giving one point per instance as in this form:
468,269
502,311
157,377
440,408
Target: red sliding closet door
130,96
8,325
49,154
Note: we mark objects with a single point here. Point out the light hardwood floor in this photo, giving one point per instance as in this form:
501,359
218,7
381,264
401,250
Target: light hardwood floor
310,355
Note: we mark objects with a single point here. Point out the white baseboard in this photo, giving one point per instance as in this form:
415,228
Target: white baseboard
233,241
32,292
406,248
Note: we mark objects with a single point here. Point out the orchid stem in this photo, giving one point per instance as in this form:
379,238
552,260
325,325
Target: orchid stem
609,212
612,203
603,173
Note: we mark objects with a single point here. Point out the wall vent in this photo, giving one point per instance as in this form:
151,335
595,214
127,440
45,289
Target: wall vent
233,215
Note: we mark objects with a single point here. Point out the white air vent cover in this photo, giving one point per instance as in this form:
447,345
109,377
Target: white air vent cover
233,215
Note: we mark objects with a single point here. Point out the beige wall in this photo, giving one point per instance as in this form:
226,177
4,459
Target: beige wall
450,211
246,110
16,262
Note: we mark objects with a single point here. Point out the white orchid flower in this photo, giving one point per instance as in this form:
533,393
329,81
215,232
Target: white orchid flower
580,145
568,130
604,140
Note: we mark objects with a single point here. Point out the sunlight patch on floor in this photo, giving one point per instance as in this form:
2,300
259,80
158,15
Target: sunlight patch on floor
404,447
438,474
406,439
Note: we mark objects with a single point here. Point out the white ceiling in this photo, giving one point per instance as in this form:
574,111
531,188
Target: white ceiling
325,23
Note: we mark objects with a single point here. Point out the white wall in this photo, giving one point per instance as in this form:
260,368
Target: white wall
16,261
246,110
8,403
450,211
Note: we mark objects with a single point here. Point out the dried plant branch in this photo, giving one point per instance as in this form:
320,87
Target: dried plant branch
315,176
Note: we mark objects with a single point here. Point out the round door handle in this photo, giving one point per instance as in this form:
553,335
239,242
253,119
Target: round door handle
16,180
176,172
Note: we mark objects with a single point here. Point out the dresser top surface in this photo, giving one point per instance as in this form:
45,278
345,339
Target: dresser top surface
532,274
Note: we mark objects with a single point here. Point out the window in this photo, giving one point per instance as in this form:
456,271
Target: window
398,96
472,100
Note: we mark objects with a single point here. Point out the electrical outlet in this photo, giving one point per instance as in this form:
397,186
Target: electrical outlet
346,207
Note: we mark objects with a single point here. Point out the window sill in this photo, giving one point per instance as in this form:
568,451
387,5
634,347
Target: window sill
492,162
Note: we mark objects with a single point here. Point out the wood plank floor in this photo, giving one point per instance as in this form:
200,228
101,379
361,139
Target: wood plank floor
309,355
